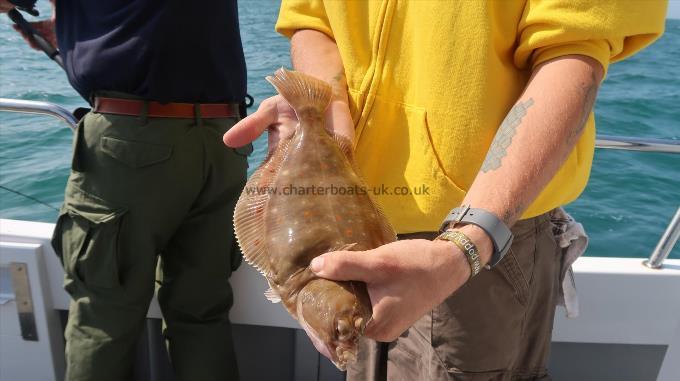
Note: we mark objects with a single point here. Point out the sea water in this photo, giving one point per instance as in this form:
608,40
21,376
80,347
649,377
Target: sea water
629,200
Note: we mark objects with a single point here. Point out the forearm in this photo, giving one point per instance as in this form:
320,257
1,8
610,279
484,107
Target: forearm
314,53
542,128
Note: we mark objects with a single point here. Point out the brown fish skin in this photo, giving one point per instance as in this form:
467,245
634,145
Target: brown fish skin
281,234
337,316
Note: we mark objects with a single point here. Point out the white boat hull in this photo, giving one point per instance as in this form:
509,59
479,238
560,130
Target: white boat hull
622,305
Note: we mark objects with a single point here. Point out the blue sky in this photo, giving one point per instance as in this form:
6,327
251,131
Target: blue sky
674,9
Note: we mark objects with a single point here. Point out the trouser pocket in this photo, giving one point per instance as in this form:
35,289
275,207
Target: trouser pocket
133,153
76,163
477,332
86,239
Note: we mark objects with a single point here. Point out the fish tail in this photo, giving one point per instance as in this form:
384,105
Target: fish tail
301,91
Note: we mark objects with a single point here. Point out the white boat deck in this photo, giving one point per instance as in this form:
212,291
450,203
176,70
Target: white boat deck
622,304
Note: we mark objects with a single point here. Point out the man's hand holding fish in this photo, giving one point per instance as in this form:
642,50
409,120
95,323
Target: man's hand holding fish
405,279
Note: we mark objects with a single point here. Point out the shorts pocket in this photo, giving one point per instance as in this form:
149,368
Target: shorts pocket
477,331
135,154
86,239
511,270
517,267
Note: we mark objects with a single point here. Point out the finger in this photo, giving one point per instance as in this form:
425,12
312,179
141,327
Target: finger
45,28
374,330
40,28
380,332
383,324
249,128
344,265
375,325
27,38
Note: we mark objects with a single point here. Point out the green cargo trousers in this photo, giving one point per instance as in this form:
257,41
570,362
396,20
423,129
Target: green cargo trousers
142,189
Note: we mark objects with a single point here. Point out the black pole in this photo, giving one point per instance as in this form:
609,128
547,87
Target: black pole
32,34
45,46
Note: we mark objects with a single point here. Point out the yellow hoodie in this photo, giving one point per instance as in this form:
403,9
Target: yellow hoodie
430,82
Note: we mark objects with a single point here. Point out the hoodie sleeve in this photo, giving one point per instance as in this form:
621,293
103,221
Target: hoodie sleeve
302,14
605,30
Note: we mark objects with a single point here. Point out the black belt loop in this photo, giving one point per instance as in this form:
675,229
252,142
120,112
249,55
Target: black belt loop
144,114
197,114
248,102
80,112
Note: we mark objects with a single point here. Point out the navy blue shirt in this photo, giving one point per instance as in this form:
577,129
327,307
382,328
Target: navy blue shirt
163,50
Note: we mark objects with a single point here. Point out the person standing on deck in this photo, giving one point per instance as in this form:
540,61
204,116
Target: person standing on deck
487,104
150,178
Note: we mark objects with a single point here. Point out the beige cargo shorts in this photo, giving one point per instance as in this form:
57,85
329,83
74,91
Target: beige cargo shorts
496,327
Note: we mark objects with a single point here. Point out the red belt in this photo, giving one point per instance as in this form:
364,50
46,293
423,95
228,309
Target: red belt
135,107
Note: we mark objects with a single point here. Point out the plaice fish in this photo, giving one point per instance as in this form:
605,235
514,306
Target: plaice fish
305,200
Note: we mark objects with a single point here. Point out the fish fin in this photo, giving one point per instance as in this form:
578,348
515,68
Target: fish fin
272,295
346,147
388,233
249,214
249,224
314,336
301,90
386,228
348,246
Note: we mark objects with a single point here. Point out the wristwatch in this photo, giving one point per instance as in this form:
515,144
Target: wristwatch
500,234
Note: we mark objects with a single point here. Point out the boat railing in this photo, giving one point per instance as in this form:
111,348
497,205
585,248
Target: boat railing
655,260
672,233
37,107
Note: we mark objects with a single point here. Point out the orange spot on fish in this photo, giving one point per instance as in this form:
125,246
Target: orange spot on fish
307,213
348,232
338,217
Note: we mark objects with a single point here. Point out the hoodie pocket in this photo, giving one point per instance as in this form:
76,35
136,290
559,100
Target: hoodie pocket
396,156
87,238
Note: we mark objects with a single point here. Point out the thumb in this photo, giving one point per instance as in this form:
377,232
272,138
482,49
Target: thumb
344,265
249,128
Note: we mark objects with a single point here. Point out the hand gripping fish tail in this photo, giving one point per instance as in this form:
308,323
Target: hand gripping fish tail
301,91
280,234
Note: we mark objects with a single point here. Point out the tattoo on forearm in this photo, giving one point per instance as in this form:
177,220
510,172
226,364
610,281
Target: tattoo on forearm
339,77
511,215
589,95
499,146
338,84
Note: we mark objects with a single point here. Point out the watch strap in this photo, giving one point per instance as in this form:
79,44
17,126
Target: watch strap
500,234
468,248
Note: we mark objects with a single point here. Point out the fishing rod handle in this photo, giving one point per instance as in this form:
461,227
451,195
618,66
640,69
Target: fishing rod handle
42,43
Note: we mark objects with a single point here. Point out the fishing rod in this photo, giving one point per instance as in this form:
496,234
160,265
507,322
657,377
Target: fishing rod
44,45
35,37
53,53
49,50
